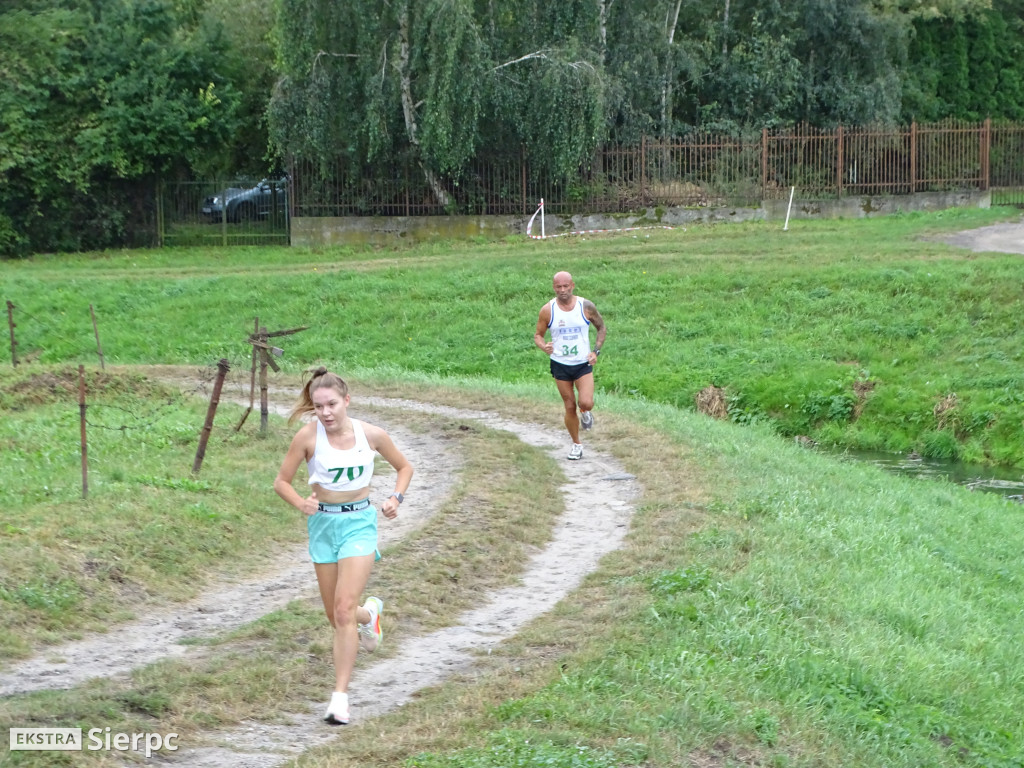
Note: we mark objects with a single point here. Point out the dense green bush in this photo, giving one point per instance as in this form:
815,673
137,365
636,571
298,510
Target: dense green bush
97,95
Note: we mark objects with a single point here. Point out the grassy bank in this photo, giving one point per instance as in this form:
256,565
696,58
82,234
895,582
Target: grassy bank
868,334
771,607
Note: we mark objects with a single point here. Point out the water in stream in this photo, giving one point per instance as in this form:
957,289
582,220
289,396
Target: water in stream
977,477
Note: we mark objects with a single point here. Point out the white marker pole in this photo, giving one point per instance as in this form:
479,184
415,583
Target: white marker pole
542,218
789,208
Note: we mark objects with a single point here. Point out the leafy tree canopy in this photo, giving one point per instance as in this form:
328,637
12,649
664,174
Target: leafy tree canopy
96,91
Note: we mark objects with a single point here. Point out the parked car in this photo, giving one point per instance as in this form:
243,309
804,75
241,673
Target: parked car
268,199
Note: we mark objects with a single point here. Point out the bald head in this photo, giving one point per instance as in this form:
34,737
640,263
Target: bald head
564,287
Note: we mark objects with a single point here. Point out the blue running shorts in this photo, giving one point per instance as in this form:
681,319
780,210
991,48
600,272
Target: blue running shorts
333,536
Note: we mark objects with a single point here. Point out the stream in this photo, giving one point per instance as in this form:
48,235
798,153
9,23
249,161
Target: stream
1006,481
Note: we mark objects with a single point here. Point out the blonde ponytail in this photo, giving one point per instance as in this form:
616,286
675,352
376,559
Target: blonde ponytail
319,378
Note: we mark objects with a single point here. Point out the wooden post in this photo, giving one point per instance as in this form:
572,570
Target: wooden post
252,374
204,437
264,362
81,412
96,330
10,323
260,343
261,347
252,379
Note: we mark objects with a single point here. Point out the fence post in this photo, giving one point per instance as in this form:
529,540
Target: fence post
643,166
81,413
913,156
839,161
252,378
223,218
204,437
522,176
263,337
11,324
986,146
764,164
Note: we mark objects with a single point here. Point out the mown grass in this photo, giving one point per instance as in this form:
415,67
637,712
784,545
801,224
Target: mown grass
771,607
79,553
849,332
501,508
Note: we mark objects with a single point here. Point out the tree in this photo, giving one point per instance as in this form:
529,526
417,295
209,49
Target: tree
243,30
436,79
93,94
970,68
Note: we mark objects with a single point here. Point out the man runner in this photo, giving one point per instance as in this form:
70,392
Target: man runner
568,319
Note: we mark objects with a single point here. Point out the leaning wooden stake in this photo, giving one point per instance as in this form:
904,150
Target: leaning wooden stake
252,372
81,411
264,362
204,437
252,380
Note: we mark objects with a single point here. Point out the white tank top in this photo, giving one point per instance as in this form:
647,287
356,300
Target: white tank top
570,333
337,470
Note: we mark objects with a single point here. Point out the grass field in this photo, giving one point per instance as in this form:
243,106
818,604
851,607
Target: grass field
848,332
772,607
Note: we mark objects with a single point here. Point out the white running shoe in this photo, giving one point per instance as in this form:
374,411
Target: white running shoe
576,453
370,634
587,420
337,710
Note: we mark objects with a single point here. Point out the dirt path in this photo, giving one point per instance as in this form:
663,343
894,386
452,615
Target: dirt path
224,607
599,503
1003,238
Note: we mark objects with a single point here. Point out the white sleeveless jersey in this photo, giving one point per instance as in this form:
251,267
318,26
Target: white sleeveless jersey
570,333
337,470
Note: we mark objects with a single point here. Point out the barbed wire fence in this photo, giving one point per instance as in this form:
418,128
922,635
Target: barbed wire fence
141,421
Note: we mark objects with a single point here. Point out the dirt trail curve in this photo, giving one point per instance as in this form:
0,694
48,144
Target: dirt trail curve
599,503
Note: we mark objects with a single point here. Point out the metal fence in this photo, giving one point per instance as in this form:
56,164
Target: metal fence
1006,165
701,169
233,212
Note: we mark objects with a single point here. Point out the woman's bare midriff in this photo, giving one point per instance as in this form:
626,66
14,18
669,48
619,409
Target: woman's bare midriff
325,496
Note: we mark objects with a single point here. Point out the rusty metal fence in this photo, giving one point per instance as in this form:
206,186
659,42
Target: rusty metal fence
1006,165
227,212
701,169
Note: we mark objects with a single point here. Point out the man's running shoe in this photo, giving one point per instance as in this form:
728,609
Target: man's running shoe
337,710
370,634
576,453
587,420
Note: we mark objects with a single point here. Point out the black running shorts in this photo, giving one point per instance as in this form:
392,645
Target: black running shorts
570,372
